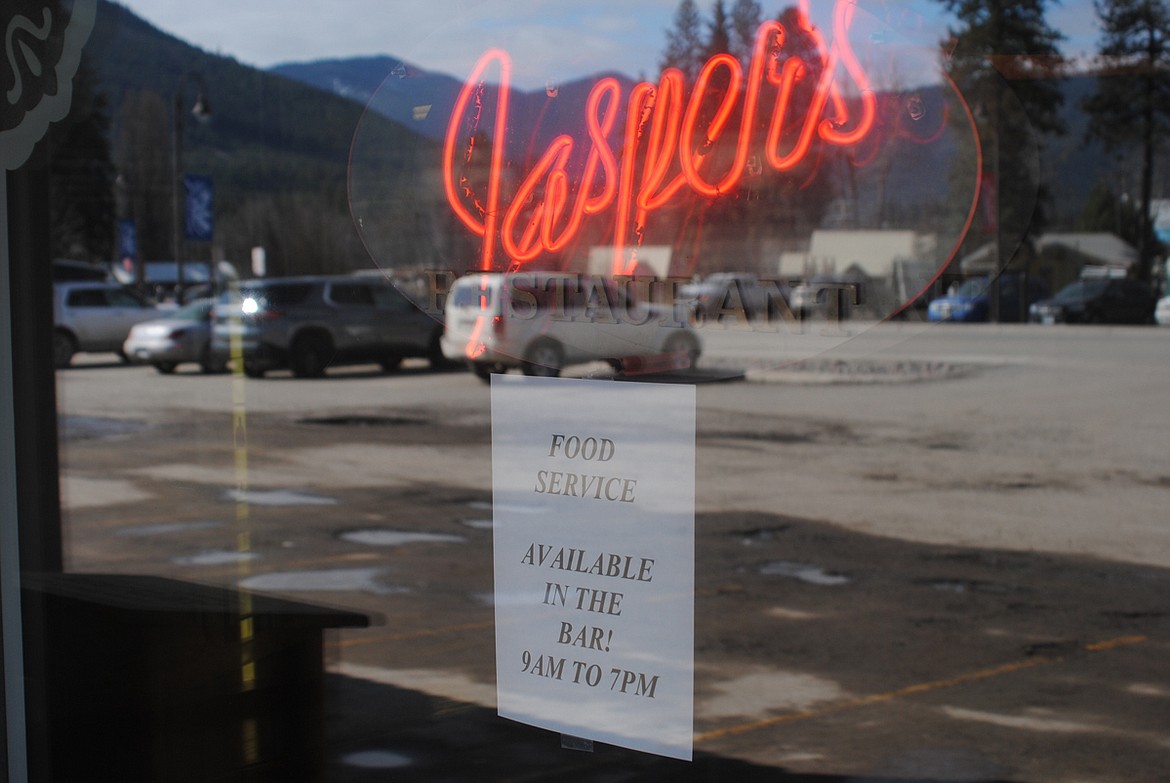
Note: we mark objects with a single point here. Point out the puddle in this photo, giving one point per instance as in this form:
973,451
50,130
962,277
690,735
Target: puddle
279,497
760,535
328,580
811,574
222,557
376,759
397,538
90,427
166,528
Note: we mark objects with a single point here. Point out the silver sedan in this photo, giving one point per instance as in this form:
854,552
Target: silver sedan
184,335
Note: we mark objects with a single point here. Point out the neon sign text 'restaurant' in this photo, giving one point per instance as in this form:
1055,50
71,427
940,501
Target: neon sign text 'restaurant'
671,130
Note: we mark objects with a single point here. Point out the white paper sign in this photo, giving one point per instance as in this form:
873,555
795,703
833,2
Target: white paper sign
594,530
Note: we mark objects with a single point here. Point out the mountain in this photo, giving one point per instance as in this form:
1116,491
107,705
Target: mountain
407,94
1071,165
295,150
277,149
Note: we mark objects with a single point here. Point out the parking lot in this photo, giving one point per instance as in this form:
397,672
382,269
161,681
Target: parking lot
924,552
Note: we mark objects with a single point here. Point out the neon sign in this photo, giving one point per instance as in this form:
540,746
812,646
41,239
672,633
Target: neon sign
670,132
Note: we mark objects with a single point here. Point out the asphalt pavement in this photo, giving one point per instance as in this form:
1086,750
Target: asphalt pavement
922,553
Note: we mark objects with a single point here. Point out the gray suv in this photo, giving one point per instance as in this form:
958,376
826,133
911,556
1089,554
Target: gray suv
94,316
308,324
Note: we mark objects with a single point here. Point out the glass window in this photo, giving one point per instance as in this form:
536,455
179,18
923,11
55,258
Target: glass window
929,537
351,294
89,297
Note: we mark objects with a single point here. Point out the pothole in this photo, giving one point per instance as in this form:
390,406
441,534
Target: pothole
825,370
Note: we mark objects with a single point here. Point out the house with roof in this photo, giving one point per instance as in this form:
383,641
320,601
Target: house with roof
1061,257
903,262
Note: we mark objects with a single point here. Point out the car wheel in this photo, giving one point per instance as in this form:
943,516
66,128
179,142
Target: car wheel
310,355
685,344
543,360
253,370
390,363
166,368
435,357
64,346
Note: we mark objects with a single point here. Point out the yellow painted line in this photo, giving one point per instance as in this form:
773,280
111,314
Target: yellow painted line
876,698
249,731
1111,644
910,690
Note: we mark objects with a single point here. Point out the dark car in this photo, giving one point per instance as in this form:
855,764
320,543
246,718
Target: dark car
1098,301
971,301
311,323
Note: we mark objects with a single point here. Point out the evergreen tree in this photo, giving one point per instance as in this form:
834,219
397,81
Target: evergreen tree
1104,210
82,176
144,172
746,17
1132,104
684,41
997,38
719,42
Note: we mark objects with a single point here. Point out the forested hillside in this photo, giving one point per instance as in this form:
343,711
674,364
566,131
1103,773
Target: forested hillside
277,149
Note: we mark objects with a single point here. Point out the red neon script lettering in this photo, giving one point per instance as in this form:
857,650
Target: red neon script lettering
671,133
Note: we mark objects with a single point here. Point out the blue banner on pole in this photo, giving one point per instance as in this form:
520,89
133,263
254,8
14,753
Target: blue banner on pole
199,213
127,239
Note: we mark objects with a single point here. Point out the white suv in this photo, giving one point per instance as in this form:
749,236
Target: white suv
541,322
94,316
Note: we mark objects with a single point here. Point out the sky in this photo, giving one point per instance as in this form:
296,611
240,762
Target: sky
550,39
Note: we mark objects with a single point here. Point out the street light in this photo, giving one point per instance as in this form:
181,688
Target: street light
201,111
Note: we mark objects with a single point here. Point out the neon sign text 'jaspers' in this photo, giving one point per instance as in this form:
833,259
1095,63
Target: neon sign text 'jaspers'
672,131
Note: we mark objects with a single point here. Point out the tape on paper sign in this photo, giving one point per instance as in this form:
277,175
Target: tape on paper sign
594,530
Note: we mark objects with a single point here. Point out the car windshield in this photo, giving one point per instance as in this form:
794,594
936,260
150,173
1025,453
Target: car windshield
276,295
1080,290
972,288
474,292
